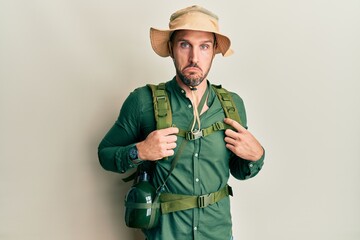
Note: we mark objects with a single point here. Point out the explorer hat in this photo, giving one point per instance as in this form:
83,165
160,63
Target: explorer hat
191,18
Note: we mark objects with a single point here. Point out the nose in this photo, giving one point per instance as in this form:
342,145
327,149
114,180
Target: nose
194,55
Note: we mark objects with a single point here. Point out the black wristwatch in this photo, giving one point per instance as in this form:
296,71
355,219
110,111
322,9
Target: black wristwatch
133,155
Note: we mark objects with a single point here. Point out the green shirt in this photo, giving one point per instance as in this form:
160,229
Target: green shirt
203,167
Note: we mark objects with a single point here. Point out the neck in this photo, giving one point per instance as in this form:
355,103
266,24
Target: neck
199,92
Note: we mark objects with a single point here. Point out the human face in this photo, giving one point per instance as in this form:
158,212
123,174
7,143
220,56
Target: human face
192,52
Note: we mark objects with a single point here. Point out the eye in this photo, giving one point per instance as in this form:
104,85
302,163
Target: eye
184,45
204,46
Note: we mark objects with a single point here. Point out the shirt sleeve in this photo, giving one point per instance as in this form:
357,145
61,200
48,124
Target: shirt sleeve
126,131
241,168
244,169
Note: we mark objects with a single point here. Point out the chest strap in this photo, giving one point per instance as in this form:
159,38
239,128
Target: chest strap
218,126
176,202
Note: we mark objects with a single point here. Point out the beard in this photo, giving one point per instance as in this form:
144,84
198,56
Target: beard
191,79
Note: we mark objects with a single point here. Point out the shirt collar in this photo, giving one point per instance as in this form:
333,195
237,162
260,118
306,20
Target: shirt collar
174,86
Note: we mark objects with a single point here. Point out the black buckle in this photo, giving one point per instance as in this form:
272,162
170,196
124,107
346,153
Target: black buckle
204,201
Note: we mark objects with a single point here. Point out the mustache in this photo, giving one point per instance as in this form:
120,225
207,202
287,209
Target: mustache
193,65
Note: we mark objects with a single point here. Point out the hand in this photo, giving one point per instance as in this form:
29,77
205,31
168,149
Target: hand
242,143
158,144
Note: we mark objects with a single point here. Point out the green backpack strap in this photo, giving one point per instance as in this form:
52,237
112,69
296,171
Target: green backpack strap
162,112
162,108
230,111
227,103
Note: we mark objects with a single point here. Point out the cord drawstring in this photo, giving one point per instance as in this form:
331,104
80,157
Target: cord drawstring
195,110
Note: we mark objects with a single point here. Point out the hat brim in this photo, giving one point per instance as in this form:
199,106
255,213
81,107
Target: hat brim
160,38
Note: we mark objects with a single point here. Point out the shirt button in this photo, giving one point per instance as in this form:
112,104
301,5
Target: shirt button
251,165
195,228
196,155
189,106
197,180
182,91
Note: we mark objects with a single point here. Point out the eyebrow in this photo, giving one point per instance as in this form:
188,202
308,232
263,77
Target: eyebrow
205,41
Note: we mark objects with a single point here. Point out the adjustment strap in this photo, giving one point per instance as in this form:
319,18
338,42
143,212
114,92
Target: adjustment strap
218,126
176,202
141,205
154,213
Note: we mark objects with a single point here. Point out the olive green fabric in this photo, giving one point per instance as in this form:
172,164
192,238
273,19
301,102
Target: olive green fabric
176,202
163,115
227,103
162,107
203,167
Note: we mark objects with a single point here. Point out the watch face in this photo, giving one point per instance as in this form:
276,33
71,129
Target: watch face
133,153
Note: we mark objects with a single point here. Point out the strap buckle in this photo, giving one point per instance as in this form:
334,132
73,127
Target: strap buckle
194,135
218,126
205,200
158,98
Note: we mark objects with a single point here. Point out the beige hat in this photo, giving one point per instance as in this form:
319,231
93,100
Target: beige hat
190,18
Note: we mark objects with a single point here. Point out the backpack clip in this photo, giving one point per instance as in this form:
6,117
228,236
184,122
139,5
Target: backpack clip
194,135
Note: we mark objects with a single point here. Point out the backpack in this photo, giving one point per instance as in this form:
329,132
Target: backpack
163,116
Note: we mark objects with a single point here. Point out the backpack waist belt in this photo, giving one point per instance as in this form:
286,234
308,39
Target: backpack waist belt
176,202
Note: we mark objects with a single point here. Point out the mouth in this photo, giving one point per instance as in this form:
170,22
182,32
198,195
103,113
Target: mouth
192,69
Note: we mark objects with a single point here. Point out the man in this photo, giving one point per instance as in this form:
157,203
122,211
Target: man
204,163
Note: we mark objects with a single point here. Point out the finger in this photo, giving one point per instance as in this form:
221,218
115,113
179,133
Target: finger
230,140
230,147
236,136
169,153
169,131
231,133
171,146
234,124
170,138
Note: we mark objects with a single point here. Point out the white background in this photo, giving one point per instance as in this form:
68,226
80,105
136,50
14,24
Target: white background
66,67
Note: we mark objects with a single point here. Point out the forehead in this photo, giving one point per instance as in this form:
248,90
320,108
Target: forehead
192,35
